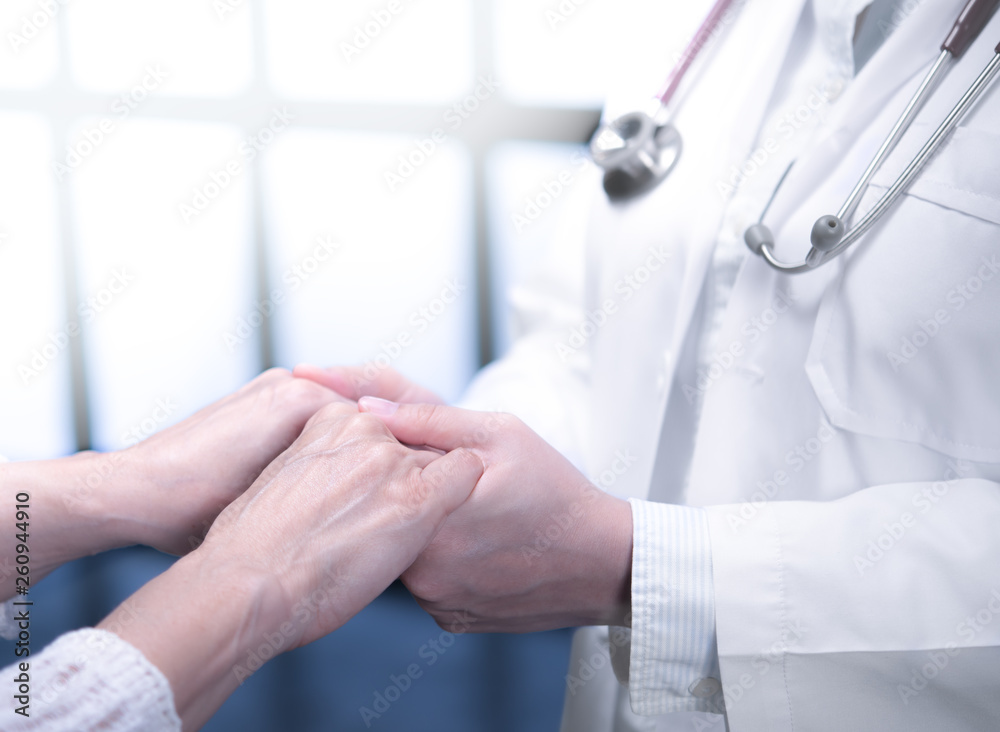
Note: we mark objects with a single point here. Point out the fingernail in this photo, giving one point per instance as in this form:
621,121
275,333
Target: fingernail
378,407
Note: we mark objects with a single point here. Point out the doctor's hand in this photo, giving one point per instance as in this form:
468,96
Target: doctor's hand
537,546
322,532
354,382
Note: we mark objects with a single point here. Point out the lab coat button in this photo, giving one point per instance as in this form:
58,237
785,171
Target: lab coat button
704,688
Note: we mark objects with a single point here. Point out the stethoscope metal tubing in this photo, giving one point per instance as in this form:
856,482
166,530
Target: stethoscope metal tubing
971,96
924,92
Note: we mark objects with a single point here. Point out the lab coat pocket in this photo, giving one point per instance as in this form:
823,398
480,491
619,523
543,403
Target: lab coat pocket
907,340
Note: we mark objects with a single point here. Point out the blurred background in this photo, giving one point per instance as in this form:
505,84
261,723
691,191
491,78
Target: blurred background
194,191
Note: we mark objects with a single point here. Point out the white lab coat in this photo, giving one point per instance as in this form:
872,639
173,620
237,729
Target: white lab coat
849,457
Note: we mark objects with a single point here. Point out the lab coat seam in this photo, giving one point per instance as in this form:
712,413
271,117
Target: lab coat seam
639,561
925,436
831,401
928,190
783,613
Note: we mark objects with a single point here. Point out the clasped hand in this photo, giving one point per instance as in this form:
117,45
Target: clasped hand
320,489
536,546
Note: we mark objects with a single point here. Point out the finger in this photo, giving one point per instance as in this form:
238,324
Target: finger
435,425
355,382
452,478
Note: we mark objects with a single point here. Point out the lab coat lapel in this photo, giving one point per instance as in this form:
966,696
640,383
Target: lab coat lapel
634,355
735,407
910,48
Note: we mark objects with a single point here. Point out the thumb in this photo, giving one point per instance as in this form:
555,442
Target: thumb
452,478
434,425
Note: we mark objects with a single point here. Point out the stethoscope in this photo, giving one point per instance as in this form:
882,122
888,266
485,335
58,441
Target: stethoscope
637,152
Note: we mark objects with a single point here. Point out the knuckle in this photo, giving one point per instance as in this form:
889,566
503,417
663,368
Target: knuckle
275,374
429,589
367,424
496,423
411,496
332,412
382,453
301,390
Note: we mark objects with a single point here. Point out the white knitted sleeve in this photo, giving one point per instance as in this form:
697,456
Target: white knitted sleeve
88,680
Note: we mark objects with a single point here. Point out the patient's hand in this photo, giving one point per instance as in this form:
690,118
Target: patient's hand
321,533
164,492
185,475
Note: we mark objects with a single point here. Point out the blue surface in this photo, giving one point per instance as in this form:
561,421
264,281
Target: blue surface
477,683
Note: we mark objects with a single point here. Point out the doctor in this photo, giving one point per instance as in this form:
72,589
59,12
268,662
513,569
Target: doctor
811,461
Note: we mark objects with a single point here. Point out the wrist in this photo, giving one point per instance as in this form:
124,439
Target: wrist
196,623
611,542
73,510
150,501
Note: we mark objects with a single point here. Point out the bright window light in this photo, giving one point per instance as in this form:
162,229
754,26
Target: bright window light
28,45
369,275
572,53
530,185
167,290
112,42
34,340
396,51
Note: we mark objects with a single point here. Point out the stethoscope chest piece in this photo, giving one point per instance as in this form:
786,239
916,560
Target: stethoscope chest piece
635,153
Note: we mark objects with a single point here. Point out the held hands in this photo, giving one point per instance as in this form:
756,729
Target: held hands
188,473
322,532
536,546
163,492
346,507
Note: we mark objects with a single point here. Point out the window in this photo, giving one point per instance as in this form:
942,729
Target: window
197,190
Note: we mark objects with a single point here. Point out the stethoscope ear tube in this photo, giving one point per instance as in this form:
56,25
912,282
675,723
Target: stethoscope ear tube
971,21
830,236
761,241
